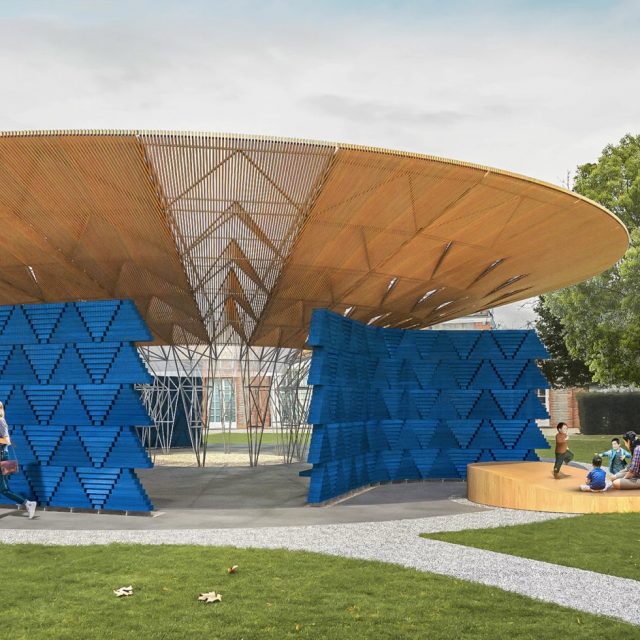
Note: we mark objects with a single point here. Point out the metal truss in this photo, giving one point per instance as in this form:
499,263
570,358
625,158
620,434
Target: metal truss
274,395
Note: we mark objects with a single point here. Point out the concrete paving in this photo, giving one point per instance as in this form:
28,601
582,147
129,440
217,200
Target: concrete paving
265,496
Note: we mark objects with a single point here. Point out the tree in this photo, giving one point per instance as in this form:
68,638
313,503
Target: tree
561,370
600,318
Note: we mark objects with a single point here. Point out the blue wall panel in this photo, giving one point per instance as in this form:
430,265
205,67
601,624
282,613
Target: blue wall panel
390,404
66,378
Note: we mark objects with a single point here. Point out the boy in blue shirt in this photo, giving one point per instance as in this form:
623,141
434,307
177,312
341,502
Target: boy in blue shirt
617,457
596,478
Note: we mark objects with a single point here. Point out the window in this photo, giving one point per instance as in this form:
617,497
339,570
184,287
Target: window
223,400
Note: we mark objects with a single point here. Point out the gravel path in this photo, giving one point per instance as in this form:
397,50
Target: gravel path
398,542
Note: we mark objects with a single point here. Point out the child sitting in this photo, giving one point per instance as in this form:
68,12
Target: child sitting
596,478
617,457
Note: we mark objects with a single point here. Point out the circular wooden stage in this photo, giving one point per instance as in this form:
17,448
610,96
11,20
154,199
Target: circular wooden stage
532,487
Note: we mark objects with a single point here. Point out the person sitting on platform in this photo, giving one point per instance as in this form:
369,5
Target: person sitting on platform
617,457
629,478
596,478
563,455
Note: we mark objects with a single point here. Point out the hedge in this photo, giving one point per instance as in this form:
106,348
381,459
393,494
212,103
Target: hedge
609,412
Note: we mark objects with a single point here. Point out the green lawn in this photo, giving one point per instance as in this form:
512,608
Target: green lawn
66,593
239,438
607,543
582,446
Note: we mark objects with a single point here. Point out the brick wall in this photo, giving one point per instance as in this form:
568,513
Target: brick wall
563,407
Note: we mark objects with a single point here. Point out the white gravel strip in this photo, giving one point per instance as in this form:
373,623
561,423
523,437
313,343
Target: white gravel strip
398,542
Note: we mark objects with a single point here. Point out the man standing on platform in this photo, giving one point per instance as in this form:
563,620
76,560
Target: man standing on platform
562,448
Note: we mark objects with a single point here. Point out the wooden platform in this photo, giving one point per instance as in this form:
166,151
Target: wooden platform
531,486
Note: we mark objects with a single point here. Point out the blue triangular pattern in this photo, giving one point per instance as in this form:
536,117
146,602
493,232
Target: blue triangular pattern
532,407
43,359
70,452
98,442
127,325
509,400
17,406
127,409
70,327
443,467
70,493
98,316
444,377
486,456
509,341
461,458
43,400
509,371
464,372
425,343
70,409
43,318
98,400
408,439
128,451
416,404
424,460
531,348
408,469
22,445
45,481
464,400
97,483
17,329
532,438
464,430
509,430
531,378
486,348
464,342
5,352
486,407
486,378
70,368
97,360
17,369
43,440
5,313
485,438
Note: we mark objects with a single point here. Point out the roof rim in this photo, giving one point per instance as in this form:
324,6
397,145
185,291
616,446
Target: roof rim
321,143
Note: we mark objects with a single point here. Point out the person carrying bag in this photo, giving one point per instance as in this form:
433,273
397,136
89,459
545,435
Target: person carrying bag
9,467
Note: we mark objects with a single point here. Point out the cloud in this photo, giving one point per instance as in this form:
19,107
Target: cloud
376,111
536,89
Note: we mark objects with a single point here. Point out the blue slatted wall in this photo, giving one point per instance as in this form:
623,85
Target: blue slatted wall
66,378
390,404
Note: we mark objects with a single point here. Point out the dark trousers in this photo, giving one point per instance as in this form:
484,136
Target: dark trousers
565,457
4,483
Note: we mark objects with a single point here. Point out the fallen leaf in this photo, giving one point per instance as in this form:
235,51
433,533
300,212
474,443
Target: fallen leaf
212,596
124,591
233,569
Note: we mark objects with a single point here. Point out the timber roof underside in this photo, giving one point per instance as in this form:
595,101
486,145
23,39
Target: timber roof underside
233,239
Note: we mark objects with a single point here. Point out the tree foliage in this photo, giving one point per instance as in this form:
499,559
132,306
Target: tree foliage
562,370
601,317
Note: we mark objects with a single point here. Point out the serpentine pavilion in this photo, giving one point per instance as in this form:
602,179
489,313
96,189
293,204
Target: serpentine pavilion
226,244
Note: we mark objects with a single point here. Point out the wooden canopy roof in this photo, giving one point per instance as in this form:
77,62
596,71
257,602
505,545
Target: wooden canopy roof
236,239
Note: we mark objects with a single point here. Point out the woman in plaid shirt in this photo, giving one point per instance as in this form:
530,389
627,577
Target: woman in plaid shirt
629,478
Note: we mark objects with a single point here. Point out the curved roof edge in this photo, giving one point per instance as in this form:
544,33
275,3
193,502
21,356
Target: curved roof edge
323,143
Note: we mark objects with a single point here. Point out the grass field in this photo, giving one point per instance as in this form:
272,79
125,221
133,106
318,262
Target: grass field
239,438
607,543
582,446
66,593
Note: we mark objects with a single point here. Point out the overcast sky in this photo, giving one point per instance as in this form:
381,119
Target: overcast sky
535,86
